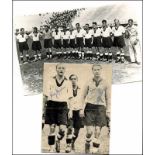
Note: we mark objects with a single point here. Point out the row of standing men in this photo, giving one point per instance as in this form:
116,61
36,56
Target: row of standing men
81,43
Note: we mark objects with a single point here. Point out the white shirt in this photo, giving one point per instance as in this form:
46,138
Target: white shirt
106,32
80,34
118,32
47,35
89,34
75,102
22,38
72,36
66,35
57,36
35,37
132,31
97,33
58,93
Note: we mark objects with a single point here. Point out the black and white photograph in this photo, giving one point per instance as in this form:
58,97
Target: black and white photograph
107,33
76,108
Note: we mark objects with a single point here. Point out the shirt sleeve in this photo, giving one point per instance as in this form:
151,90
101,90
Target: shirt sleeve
123,29
108,97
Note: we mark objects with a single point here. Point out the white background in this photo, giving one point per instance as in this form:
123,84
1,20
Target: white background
126,101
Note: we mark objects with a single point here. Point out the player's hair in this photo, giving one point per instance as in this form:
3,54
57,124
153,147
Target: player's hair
104,21
95,23
77,24
116,20
87,24
130,20
22,29
70,77
96,65
58,65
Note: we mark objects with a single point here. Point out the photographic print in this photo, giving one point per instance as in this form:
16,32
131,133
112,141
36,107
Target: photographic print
76,108
104,32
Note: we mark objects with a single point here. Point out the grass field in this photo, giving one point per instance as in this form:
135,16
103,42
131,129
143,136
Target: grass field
80,143
32,73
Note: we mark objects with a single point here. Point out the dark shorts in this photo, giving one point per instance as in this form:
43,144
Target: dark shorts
56,113
119,42
88,42
76,121
106,42
36,46
23,46
65,43
95,115
80,42
97,42
47,43
72,43
57,43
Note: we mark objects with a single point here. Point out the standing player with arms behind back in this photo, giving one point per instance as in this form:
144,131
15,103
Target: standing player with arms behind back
47,34
119,32
96,102
23,46
36,44
106,40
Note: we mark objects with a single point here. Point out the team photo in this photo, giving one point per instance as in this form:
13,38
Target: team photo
109,34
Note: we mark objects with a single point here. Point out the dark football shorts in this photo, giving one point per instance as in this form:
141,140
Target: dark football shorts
56,113
80,42
76,121
119,42
88,42
97,42
95,115
72,43
47,43
57,43
106,42
23,46
65,43
36,46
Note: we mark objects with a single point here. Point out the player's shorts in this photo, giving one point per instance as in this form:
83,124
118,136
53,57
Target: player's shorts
36,46
47,43
88,42
57,43
106,42
56,113
76,121
23,46
97,42
65,43
95,115
72,43
80,42
119,42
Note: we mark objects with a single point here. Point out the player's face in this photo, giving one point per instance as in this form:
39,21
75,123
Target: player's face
94,26
130,23
104,24
116,22
60,70
97,71
46,28
77,26
74,80
87,27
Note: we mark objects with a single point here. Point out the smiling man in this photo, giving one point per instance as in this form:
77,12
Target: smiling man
56,99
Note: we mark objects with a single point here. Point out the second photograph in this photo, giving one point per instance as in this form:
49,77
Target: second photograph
76,108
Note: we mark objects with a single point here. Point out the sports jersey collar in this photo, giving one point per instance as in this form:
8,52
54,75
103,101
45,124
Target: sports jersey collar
54,77
97,82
